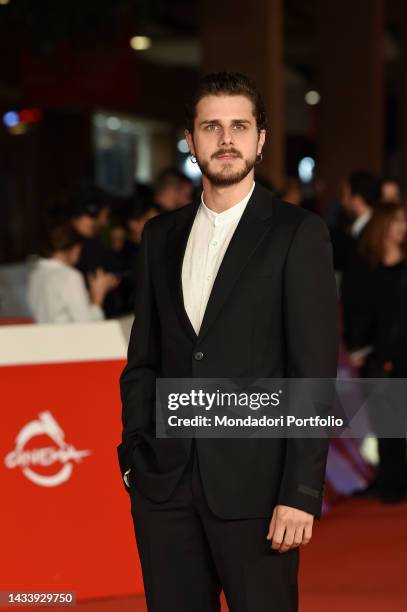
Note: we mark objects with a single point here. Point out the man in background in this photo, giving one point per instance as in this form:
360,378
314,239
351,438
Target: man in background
172,190
360,194
84,210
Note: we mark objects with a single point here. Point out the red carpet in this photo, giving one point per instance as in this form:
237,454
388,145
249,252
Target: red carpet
356,562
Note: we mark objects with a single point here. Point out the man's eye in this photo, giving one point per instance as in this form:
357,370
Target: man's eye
211,127
239,126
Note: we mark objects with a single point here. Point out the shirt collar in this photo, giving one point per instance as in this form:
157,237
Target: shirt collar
50,262
229,215
360,223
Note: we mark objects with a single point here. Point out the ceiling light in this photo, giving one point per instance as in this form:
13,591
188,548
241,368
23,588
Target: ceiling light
312,97
140,43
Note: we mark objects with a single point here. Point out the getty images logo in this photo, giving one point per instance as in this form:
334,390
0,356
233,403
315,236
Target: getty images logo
27,459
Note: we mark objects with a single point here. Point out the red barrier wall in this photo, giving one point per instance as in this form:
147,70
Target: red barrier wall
66,525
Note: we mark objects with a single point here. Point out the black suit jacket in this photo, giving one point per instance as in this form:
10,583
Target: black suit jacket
354,297
272,312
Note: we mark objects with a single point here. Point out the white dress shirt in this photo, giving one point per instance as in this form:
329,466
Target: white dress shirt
57,294
207,243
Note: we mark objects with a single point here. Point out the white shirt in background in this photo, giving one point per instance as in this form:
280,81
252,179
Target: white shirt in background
57,294
359,224
207,243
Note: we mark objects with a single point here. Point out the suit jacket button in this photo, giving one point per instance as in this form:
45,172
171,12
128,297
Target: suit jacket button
198,355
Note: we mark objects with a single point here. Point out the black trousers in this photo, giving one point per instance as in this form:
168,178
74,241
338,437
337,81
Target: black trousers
189,555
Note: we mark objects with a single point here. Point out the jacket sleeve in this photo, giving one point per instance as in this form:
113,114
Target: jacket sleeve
311,329
137,381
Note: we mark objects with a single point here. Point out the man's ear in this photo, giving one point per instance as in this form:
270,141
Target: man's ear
190,142
262,138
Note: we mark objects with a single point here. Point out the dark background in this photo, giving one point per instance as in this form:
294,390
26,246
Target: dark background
70,60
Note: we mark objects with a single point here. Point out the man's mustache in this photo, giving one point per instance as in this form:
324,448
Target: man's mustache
221,152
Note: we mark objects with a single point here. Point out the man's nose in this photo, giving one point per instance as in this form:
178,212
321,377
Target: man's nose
226,137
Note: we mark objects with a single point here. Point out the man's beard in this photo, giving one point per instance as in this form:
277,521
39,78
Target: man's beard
226,177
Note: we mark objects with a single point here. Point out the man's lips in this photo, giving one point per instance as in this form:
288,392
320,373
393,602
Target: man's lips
227,156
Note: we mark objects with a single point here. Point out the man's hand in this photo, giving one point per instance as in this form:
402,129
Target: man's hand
289,527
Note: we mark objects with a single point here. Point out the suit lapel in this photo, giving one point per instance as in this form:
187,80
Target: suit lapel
177,239
250,231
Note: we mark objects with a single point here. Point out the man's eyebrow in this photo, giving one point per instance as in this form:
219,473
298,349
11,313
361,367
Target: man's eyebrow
218,121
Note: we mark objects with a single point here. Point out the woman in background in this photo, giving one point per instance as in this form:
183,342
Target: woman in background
376,322
57,292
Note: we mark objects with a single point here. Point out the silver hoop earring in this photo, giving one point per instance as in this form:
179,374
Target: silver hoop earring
193,159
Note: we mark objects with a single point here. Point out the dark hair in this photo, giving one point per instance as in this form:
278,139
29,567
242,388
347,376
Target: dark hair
390,179
372,241
86,201
140,209
170,177
366,185
60,238
229,84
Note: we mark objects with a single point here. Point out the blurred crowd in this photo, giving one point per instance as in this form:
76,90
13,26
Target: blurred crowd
86,269
87,272
369,230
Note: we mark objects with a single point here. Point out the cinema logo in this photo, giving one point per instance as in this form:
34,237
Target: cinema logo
35,460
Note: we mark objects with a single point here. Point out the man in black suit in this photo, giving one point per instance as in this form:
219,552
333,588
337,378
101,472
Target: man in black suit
237,285
360,195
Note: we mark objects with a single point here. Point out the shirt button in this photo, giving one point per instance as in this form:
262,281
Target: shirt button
198,355
214,243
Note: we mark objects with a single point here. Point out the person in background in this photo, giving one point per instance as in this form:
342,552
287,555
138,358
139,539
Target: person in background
376,325
137,218
361,192
118,238
102,217
172,190
83,214
125,243
57,292
102,223
84,210
391,191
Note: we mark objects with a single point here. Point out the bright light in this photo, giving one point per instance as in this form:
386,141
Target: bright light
140,43
182,146
4,2
306,169
11,119
114,123
369,449
192,170
312,97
